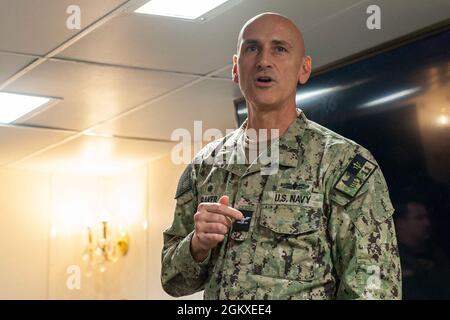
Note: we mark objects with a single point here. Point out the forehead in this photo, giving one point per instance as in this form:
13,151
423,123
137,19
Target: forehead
270,28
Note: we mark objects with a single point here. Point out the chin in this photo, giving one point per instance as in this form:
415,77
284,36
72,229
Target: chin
266,102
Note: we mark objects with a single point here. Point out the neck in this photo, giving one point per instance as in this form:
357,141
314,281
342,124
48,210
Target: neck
275,118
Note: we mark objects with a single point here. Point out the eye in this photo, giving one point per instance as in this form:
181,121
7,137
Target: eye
280,49
251,48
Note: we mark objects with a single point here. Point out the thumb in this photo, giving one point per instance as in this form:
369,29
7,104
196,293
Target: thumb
224,200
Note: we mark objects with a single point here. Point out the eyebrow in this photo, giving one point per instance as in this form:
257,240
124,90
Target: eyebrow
275,42
282,42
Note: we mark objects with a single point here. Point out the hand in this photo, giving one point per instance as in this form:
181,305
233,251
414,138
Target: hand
212,222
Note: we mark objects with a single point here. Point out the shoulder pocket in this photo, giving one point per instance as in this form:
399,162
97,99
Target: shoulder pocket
371,204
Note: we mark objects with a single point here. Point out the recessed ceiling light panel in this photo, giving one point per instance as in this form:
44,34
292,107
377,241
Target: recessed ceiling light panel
186,9
15,106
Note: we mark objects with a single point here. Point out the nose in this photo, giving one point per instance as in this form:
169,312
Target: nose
264,59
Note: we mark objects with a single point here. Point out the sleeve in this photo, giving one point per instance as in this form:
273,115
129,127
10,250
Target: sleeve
364,245
180,273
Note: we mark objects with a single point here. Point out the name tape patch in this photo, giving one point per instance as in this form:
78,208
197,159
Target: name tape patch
209,198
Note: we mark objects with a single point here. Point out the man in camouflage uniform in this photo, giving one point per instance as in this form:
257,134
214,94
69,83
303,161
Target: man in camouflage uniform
319,227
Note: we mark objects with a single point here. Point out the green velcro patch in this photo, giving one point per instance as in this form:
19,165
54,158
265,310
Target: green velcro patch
355,175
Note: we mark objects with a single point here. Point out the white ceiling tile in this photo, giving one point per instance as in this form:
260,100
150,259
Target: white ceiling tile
19,142
226,74
91,93
10,64
37,27
210,101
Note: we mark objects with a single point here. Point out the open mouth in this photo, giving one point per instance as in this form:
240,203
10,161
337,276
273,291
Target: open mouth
264,79
264,82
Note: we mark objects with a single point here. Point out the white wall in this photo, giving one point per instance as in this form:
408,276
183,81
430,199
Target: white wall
43,231
163,179
78,199
24,232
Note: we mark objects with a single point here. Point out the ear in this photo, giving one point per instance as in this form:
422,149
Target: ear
305,70
235,76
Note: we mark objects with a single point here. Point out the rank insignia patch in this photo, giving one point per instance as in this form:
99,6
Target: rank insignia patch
355,175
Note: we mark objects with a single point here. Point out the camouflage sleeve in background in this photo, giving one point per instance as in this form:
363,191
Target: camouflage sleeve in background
363,240
180,273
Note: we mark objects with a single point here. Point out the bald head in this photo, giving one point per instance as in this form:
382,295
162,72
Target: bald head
270,62
277,21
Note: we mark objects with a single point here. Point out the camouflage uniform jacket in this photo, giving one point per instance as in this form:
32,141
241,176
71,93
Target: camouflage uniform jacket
320,228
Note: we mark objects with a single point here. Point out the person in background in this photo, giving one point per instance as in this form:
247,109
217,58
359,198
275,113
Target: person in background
425,267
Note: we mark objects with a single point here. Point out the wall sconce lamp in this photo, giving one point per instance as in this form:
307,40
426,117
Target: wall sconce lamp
99,251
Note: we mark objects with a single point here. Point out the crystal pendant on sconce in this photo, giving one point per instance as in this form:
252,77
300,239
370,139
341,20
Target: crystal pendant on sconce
85,257
98,252
103,249
102,268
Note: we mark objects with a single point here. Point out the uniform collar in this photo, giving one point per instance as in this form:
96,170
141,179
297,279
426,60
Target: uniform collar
290,141
289,147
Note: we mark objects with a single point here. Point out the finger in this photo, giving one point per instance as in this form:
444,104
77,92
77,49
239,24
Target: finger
217,218
224,200
212,237
204,215
224,210
213,228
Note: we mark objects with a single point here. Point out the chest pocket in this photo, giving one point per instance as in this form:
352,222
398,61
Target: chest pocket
288,234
